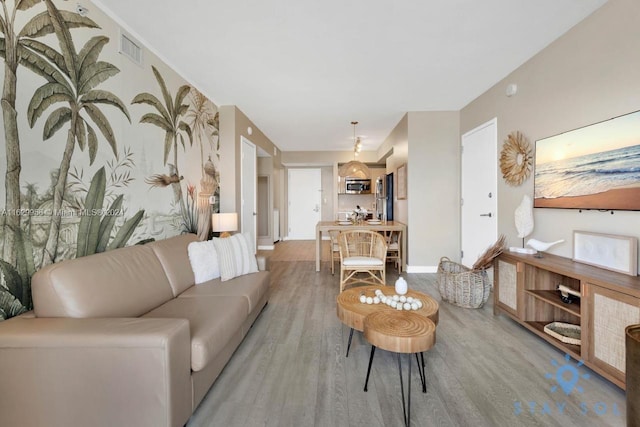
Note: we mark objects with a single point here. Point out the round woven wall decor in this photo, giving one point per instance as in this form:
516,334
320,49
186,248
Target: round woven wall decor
516,159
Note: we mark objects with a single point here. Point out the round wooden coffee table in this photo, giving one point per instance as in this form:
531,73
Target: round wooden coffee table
401,332
352,312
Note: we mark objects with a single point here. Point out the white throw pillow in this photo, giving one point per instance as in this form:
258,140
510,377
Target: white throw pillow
204,261
235,256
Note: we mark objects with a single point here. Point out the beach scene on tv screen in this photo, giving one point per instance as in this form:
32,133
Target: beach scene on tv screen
594,167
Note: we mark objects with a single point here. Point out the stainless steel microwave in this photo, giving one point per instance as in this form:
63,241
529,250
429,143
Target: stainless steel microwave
357,186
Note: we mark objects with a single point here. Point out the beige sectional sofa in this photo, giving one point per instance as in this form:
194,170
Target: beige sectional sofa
123,338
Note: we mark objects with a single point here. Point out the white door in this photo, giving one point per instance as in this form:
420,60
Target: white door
248,183
479,228
305,192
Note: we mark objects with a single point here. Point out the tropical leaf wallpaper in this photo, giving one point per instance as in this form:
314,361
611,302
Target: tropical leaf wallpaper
100,152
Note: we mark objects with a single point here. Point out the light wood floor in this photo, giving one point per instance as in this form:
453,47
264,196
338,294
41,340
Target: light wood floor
291,368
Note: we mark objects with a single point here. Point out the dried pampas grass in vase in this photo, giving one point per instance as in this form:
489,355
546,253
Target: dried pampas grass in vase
486,259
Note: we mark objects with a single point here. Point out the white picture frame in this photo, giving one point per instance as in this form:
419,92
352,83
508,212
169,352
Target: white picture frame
608,251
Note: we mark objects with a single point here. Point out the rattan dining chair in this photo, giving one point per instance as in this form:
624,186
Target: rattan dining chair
334,250
394,244
362,251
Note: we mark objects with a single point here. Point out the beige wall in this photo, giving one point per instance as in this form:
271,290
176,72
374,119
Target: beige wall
588,75
428,143
398,143
234,124
433,181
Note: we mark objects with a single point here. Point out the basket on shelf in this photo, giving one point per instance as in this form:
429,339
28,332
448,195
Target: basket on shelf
565,332
461,285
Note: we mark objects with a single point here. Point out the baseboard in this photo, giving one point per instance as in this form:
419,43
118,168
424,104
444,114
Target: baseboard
289,239
266,247
422,269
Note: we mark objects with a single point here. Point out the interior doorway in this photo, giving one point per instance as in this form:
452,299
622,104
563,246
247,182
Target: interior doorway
304,194
248,183
479,207
264,202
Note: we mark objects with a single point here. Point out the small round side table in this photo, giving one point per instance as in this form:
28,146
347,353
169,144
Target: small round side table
352,312
401,332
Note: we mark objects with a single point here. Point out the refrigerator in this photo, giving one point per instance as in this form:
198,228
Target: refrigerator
384,197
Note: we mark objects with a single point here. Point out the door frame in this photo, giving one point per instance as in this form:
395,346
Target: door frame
247,144
267,214
493,170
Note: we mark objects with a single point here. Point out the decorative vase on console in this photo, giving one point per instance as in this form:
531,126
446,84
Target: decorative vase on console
401,286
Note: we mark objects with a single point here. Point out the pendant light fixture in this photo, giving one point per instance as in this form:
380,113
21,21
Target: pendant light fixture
355,169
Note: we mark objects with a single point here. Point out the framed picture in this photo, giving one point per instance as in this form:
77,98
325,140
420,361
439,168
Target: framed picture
402,181
613,252
593,167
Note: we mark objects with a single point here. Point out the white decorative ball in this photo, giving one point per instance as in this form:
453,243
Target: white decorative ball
409,299
406,306
363,299
378,292
399,307
394,304
417,301
396,297
403,298
414,306
376,300
369,300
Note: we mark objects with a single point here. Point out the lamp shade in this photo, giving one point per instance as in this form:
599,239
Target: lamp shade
354,169
224,222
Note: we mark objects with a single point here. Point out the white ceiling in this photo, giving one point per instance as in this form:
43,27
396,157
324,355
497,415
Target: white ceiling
302,70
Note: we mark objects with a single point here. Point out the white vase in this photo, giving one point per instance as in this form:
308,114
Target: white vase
401,286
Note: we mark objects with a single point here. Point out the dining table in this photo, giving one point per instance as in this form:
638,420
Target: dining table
382,226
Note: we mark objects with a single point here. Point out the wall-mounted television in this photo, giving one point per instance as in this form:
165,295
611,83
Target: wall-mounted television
593,167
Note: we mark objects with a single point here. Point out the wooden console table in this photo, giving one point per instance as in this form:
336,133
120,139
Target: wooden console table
525,290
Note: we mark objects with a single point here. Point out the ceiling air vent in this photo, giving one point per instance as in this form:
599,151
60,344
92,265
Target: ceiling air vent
131,48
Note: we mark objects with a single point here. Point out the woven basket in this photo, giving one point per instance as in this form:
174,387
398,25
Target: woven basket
462,286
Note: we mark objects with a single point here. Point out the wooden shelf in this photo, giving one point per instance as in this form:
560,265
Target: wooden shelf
618,282
538,329
525,290
553,298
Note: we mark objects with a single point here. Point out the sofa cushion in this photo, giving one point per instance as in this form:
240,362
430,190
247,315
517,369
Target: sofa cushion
251,286
204,261
235,256
212,322
126,282
173,256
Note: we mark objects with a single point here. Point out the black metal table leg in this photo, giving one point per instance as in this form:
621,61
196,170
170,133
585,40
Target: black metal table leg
349,344
406,407
409,392
373,350
423,380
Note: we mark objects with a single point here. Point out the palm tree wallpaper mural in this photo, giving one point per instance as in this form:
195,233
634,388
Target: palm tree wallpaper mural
168,117
16,48
64,86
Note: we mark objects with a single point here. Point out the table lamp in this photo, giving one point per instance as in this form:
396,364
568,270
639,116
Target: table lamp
224,223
